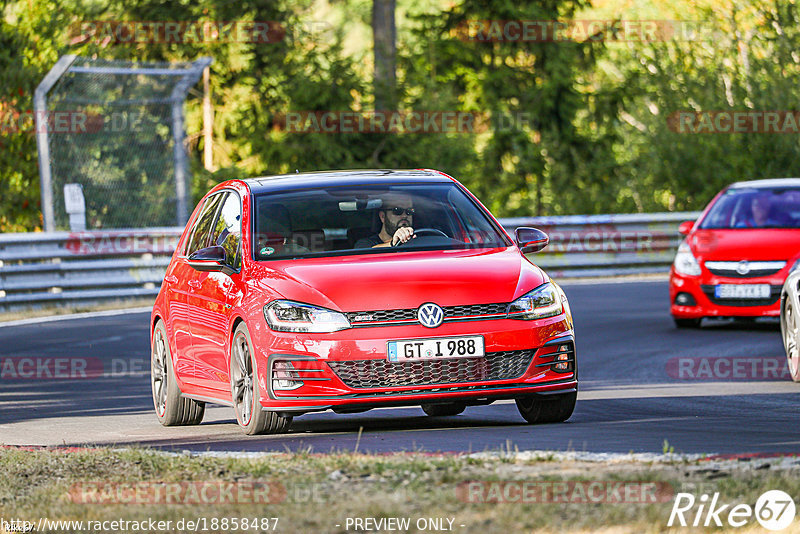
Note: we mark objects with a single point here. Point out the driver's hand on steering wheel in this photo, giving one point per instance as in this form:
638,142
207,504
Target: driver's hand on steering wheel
402,235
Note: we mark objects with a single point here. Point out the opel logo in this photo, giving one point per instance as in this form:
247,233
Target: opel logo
430,315
743,268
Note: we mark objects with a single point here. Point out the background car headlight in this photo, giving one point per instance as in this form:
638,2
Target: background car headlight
289,316
685,262
544,301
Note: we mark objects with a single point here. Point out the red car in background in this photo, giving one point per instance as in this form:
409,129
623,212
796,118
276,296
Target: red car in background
737,255
278,303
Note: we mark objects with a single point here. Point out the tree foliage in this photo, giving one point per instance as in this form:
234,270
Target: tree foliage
575,126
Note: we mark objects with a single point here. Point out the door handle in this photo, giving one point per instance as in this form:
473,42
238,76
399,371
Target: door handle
195,284
171,278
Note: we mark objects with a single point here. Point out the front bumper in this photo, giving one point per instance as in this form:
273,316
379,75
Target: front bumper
703,303
350,369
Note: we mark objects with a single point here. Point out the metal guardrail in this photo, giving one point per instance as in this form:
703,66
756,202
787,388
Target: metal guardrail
606,245
79,267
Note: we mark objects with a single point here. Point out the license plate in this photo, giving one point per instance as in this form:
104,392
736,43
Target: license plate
742,291
434,348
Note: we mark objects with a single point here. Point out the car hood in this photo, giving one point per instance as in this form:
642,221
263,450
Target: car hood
745,244
403,280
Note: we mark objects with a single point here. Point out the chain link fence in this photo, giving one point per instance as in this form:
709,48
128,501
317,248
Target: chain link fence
112,133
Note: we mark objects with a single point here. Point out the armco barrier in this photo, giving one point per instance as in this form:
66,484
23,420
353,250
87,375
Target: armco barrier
606,245
79,267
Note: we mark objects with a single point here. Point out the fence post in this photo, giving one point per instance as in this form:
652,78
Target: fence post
42,140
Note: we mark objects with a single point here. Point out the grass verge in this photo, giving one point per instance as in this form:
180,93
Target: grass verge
318,493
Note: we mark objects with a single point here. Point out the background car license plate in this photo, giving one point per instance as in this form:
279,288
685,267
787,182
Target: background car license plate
742,291
430,349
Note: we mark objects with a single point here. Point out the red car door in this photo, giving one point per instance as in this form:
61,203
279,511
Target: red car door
184,282
212,300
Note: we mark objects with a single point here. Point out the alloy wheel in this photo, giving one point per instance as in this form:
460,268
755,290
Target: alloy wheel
791,332
242,379
158,372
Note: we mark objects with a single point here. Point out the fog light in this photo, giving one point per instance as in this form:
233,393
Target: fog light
564,366
284,377
685,299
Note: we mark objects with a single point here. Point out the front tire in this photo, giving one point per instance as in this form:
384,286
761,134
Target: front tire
790,331
547,408
444,410
246,392
171,408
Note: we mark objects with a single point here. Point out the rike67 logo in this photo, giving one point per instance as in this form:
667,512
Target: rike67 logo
774,510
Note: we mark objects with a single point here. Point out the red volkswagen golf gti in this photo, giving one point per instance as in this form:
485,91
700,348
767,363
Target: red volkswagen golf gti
737,255
354,290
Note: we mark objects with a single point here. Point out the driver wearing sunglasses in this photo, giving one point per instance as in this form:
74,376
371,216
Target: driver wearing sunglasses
396,215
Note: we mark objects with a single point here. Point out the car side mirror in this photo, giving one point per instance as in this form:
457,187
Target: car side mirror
685,227
210,259
530,239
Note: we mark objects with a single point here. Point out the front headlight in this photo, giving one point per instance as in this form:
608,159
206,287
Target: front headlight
290,316
685,262
544,301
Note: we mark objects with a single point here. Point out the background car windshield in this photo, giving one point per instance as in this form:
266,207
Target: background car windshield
341,220
755,208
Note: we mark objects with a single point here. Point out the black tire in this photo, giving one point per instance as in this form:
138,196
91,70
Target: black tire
172,409
246,392
444,410
687,323
547,408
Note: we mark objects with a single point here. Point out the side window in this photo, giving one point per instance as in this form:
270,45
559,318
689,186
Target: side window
227,230
201,228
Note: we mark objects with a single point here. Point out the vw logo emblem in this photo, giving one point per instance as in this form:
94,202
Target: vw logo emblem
743,268
430,315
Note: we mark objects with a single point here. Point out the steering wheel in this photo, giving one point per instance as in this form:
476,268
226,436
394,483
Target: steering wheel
425,231
430,231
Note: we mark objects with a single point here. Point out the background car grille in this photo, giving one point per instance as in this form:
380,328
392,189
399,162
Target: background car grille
728,268
774,295
410,314
383,373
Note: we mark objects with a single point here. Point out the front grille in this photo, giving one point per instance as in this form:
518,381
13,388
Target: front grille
774,295
382,316
410,314
475,309
758,268
383,373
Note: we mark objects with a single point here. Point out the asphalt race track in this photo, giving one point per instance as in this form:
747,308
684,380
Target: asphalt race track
714,390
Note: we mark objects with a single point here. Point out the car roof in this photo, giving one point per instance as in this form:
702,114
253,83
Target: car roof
767,183
305,180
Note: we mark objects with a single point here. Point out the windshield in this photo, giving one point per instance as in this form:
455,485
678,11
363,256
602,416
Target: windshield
755,208
357,219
